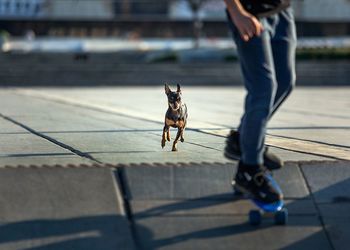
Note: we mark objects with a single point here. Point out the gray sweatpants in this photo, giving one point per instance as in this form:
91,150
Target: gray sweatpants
268,67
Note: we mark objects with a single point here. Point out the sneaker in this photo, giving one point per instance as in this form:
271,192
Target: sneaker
256,182
233,152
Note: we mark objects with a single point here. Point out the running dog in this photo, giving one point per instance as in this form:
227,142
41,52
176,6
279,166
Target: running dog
175,116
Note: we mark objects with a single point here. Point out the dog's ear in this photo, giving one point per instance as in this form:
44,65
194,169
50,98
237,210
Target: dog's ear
178,88
167,89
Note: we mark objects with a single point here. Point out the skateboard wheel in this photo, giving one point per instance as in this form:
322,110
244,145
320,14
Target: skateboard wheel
281,217
255,217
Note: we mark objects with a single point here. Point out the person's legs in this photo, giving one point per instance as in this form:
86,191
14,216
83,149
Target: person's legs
256,59
281,28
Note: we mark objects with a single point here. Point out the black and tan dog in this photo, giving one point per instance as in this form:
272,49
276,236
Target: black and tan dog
176,116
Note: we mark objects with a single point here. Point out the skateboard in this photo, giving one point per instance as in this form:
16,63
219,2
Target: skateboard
276,210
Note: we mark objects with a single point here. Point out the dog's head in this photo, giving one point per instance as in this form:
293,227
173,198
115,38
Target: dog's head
174,97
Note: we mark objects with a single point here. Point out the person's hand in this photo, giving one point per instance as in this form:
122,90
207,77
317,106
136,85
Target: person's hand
247,24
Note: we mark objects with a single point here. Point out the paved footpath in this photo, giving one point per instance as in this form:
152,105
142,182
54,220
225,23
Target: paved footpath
83,168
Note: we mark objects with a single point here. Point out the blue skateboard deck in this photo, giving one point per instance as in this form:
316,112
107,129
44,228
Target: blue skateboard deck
269,208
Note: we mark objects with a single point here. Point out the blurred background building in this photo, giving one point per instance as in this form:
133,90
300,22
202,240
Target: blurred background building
149,18
142,42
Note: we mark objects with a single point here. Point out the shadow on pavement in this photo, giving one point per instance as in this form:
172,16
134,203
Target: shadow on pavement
321,236
82,233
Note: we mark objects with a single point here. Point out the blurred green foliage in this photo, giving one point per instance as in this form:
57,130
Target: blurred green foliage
322,53
312,54
301,54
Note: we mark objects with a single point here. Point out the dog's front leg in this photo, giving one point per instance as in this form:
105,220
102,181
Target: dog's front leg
168,134
179,131
182,135
165,131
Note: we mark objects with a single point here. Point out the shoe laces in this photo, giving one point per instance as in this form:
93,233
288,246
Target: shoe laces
259,178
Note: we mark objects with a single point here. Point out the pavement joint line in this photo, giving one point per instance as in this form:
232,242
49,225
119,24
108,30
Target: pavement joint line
299,146
122,187
192,143
200,145
70,102
124,112
312,141
50,139
40,154
120,196
318,210
310,128
226,129
293,145
309,153
131,130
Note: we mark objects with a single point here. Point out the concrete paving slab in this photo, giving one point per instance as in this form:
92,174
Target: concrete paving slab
229,232
110,130
338,231
338,209
292,182
336,216
288,155
224,104
176,205
210,114
337,136
39,160
310,147
199,180
38,114
329,182
61,209
27,145
167,182
7,127
148,156
21,147
296,149
131,147
330,185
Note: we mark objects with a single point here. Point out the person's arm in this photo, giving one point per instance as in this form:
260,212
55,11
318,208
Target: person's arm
247,24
